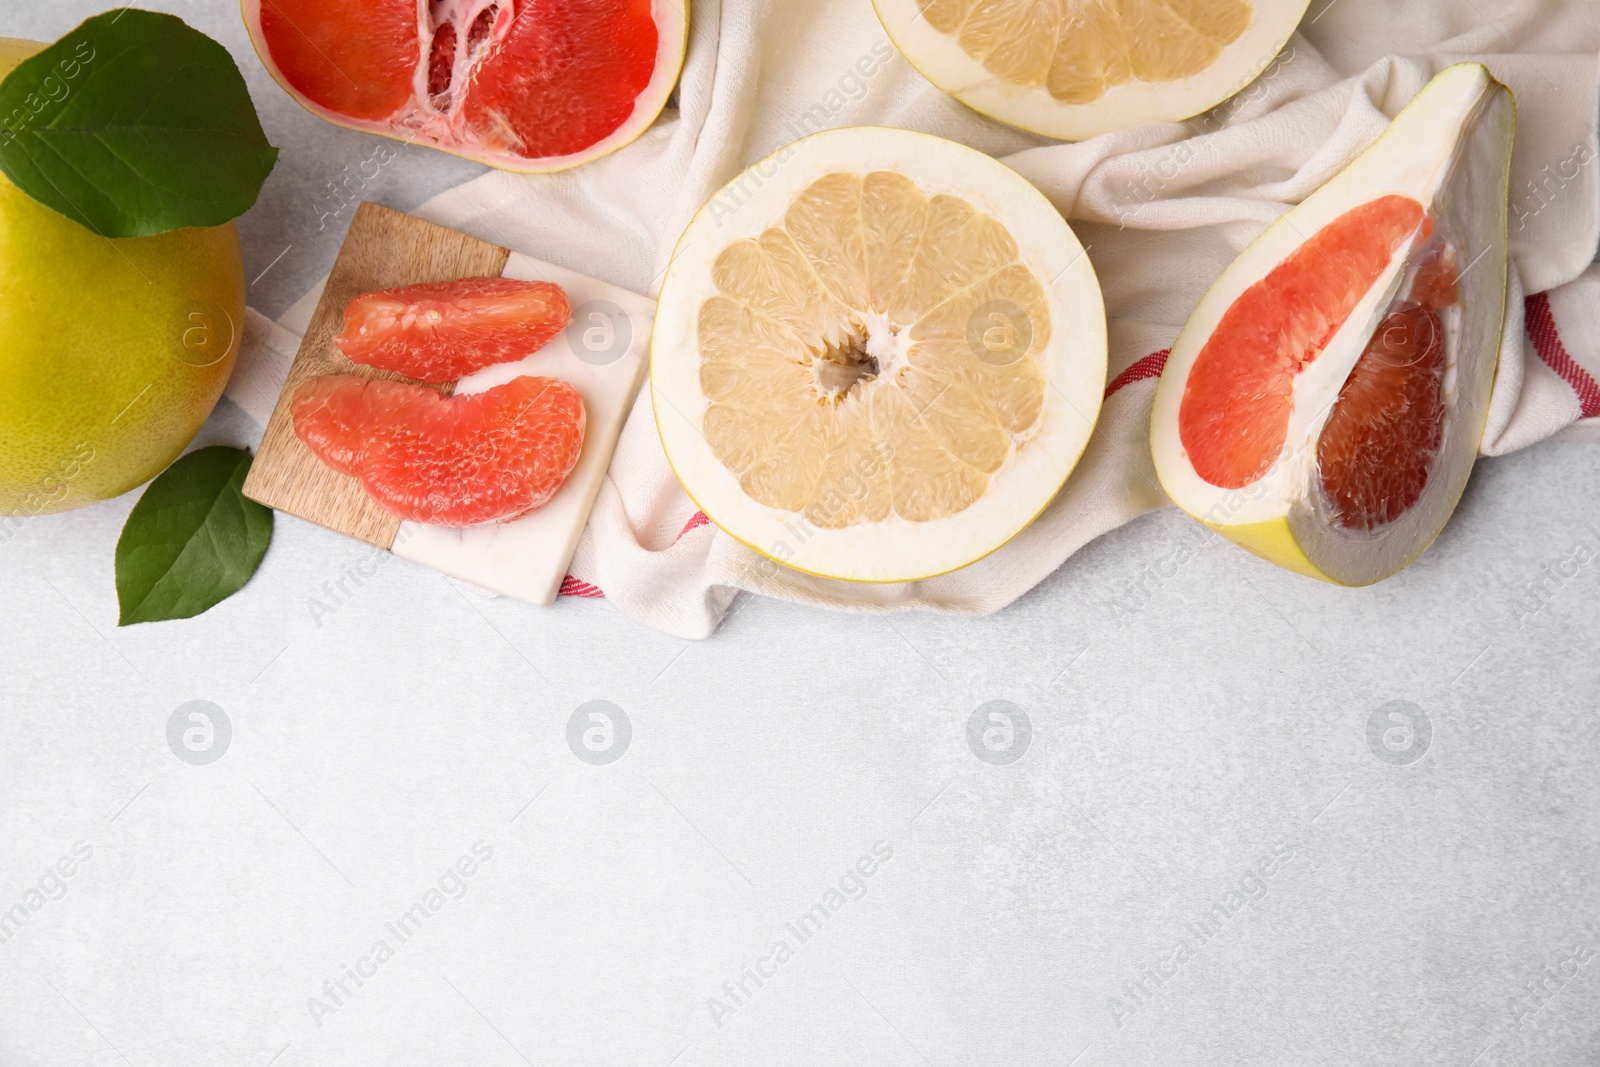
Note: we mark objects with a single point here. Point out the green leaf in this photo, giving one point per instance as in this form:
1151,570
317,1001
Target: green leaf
134,124
192,540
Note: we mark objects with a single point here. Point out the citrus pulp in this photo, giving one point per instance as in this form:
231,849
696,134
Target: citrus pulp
528,85
441,331
445,460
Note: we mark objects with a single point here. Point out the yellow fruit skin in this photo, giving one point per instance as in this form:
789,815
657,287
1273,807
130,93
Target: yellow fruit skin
1273,542
112,352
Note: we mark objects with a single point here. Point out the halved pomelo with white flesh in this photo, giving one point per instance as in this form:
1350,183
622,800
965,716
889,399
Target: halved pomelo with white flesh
1323,405
877,355
1077,68
526,85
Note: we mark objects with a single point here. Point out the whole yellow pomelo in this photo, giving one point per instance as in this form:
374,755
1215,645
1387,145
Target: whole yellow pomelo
112,351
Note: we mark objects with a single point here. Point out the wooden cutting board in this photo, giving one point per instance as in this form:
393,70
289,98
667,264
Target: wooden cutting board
602,354
384,248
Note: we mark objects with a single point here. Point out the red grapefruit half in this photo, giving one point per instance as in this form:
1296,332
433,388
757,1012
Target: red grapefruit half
445,460
1325,402
526,85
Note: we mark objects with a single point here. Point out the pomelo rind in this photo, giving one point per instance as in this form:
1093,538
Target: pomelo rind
672,28
1273,542
1077,352
81,427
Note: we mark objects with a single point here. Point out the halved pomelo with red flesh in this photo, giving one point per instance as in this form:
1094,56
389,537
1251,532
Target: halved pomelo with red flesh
445,460
529,85
441,331
1325,401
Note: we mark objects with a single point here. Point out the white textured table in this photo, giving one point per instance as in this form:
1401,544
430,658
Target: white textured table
1207,854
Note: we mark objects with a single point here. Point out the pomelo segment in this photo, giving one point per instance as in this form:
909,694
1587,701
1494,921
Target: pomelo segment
1325,401
1077,68
528,85
446,461
877,355
441,331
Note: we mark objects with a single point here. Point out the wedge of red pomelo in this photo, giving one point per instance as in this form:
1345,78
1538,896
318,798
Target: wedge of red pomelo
1325,402
530,85
441,331
445,460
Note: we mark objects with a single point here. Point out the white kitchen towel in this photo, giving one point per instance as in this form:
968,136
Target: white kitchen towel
1162,208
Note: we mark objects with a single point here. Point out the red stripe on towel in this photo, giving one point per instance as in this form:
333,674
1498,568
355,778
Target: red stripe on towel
1547,342
1148,367
571,586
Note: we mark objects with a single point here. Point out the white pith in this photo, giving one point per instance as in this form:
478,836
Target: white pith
941,59
419,121
1448,150
893,549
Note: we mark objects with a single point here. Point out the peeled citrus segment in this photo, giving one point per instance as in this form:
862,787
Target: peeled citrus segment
445,461
880,361
1077,68
330,415
1325,401
527,85
441,331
